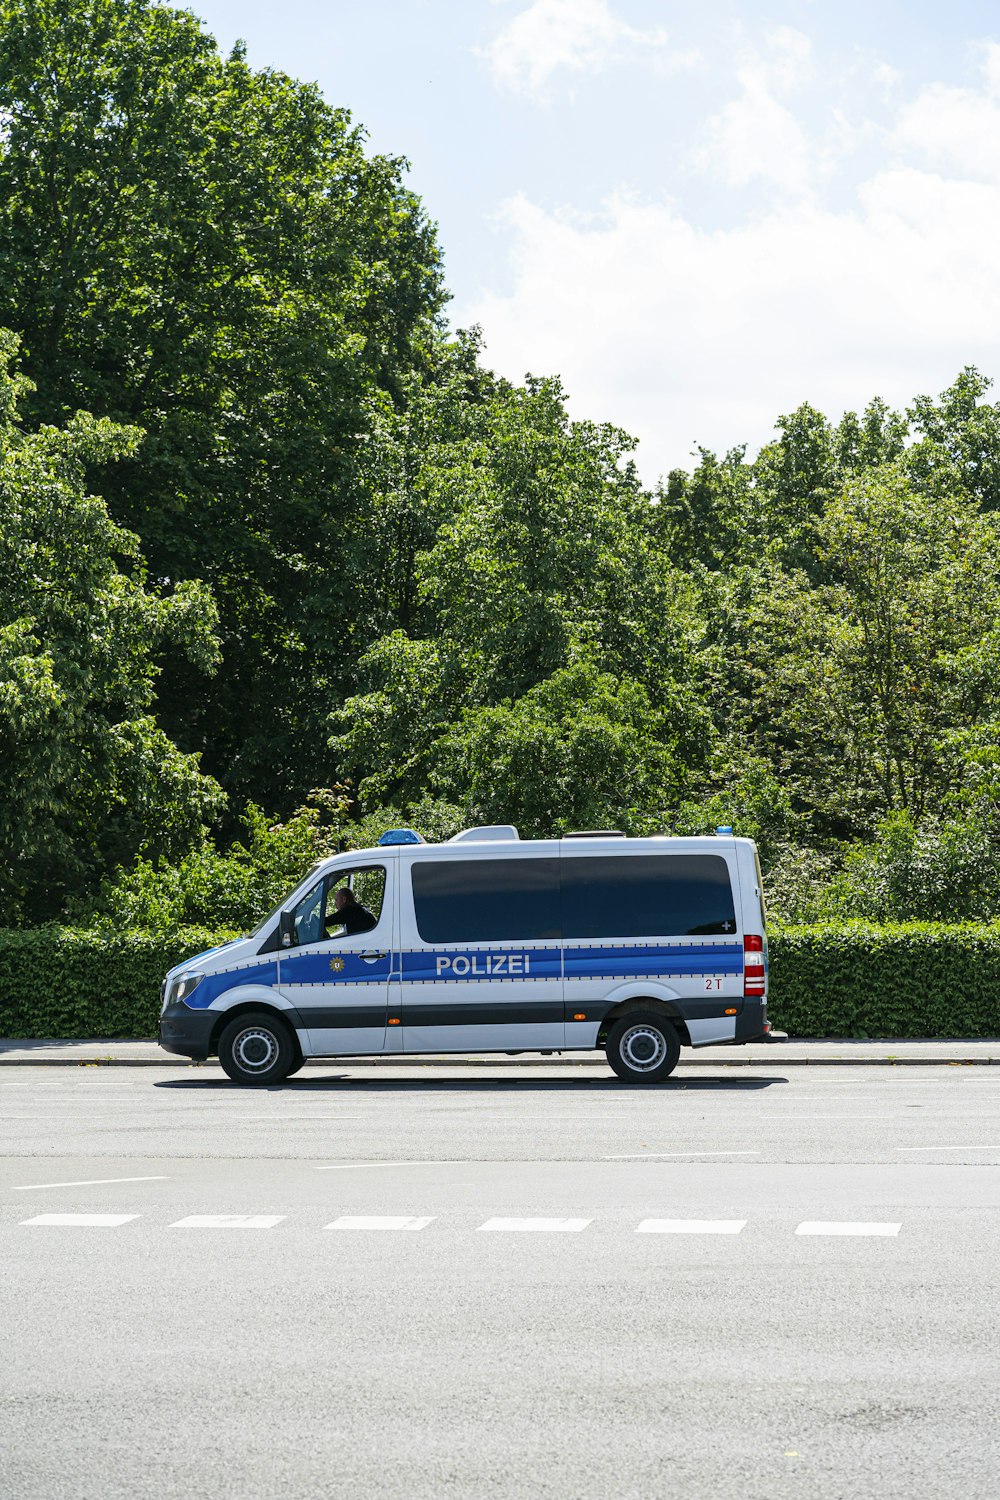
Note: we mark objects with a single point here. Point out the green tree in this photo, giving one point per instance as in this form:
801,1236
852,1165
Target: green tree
90,776
549,557
853,689
581,749
958,440
205,250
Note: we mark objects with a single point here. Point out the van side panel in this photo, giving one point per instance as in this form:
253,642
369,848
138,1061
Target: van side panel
670,893
481,960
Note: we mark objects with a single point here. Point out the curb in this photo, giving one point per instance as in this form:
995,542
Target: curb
563,1062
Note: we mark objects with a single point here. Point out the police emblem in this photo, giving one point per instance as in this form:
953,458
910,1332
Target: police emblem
336,964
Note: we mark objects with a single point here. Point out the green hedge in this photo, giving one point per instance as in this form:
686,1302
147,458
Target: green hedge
65,982
913,980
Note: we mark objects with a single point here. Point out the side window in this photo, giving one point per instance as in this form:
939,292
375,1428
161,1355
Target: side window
323,914
669,895
486,900
354,900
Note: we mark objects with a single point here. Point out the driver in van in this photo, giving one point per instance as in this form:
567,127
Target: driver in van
349,914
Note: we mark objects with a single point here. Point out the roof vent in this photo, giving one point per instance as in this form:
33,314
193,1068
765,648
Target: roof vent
596,833
495,833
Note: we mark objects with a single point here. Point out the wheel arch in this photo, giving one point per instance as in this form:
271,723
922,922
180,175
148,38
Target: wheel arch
268,1002
657,1005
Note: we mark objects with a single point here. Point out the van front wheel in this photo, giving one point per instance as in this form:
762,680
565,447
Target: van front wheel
642,1047
257,1048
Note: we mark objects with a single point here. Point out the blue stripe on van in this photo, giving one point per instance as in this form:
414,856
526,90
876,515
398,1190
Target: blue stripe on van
479,964
214,985
333,967
672,961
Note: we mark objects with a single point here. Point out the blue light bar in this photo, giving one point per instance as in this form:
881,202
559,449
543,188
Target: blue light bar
725,832
401,836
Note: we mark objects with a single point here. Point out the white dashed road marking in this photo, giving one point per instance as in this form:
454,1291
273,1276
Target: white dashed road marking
229,1221
659,1155
31,1187
691,1226
379,1221
815,1227
83,1221
553,1226
356,1166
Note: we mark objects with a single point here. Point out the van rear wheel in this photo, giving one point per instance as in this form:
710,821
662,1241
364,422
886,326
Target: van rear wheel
257,1048
643,1047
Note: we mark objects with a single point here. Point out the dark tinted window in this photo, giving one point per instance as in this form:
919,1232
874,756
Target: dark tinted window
646,895
486,900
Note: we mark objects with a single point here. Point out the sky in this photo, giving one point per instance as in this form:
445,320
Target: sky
698,215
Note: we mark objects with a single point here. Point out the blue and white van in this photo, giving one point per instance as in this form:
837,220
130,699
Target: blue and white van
489,943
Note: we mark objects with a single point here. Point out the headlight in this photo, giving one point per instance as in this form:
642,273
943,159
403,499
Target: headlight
185,986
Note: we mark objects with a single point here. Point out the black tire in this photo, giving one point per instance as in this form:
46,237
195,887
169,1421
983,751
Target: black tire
643,1047
258,1048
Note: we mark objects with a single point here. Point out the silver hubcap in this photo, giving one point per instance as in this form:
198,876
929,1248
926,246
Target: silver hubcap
643,1048
255,1050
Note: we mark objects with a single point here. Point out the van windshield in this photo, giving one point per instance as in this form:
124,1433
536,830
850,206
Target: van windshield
272,916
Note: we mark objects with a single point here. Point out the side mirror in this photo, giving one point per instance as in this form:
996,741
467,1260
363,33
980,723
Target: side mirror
286,927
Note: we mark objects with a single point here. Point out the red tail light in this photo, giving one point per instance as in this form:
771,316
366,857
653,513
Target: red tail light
753,964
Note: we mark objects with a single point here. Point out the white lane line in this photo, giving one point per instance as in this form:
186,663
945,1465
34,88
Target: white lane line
379,1221
83,1221
360,1166
31,1187
816,1227
948,1148
36,1083
540,1226
691,1226
649,1155
228,1221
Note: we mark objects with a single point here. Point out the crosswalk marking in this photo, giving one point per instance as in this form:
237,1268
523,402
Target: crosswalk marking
380,1221
543,1226
229,1221
412,1222
83,1221
691,1226
817,1227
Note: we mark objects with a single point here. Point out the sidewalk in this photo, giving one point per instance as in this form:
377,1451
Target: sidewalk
782,1054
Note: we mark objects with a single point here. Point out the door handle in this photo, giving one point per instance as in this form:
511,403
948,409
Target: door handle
371,956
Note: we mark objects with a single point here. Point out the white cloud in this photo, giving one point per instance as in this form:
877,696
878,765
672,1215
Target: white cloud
684,336
756,135
957,130
582,36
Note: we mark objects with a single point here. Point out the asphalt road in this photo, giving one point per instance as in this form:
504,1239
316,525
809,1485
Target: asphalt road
541,1283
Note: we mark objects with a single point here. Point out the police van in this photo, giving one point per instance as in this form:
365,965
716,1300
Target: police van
489,943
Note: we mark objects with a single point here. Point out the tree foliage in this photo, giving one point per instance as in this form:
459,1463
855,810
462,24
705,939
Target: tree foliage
341,576
89,775
206,250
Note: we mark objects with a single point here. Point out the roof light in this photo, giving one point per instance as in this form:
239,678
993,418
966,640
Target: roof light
401,836
725,832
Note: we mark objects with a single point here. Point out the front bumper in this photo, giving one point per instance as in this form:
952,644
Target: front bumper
187,1032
